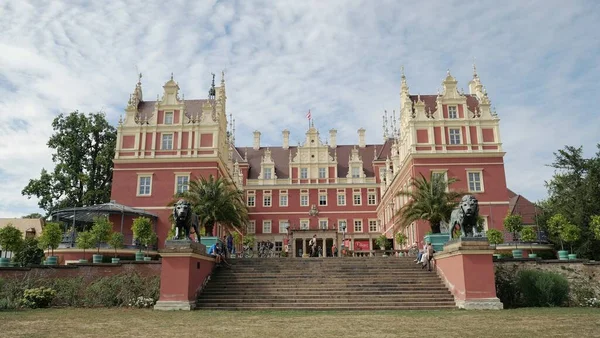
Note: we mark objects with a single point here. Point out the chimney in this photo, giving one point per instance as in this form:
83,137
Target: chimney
286,139
361,138
332,138
256,145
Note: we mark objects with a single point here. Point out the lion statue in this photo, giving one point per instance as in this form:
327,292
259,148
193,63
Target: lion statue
185,220
464,217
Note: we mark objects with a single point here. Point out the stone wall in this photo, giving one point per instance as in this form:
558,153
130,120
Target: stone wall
89,272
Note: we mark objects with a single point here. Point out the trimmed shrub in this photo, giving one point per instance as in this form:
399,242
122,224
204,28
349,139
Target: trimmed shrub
507,289
38,297
542,288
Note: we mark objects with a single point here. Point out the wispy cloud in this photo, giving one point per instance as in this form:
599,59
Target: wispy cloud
341,59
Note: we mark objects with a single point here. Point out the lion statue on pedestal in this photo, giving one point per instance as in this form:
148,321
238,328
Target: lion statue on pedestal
464,218
185,220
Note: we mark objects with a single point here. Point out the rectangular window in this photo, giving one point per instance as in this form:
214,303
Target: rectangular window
323,224
341,199
371,199
182,184
251,200
251,227
169,117
304,224
342,226
266,227
303,200
356,199
145,185
475,184
267,201
267,175
355,172
373,225
278,246
357,225
452,113
167,142
303,172
283,200
322,199
322,172
454,135
282,226
382,173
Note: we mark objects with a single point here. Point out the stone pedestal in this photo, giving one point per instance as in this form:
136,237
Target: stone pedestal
466,266
185,266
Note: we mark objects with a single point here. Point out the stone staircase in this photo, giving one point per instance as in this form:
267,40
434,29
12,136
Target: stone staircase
349,283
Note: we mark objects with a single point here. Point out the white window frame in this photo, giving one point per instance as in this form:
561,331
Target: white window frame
355,222
451,140
266,223
162,141
171,114
322,171
268,198
339,228
485,223
304,224
354,195
177,185
322,198
253,201
323,224
282,224
283,198
455,115
139,185
374,199
303,173
355,172
343,196
475,171
441,172
371,229
302,198
268,174
251,227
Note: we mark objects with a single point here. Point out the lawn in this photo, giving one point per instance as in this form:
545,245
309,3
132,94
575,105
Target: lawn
64,323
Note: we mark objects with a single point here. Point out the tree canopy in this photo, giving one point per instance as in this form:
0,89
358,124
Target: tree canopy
84,147
51,236
574,193
11,239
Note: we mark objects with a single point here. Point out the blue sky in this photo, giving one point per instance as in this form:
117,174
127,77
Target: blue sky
342,59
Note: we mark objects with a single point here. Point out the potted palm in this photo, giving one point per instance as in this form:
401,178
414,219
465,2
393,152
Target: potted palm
528,235
11,240
142,230
51,238
85,240
101,233
116,241
514,224
400,241
555,225
569,234
495,237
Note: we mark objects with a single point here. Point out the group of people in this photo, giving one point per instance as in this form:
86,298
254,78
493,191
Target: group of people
425,255
220,252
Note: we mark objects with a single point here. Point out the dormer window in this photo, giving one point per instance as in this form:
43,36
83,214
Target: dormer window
322,173
267,175
452,112
355,172
303,172
169,117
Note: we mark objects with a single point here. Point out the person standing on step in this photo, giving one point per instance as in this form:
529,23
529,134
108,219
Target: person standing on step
313,246
230,248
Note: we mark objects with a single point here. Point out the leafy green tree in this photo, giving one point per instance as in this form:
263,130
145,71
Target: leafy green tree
84,148
595,226
33,215
142,230
429,200
101,230
569,234
249,240
513,224
51,236
29,253
85,240
555,227
495,237
401,239
573,192
11,239
116,241
216,201
528,235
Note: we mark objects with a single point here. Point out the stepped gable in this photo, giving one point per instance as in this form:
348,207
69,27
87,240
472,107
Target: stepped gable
431,102
348,283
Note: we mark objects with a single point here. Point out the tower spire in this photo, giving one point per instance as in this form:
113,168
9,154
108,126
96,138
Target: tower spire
394,127
385,128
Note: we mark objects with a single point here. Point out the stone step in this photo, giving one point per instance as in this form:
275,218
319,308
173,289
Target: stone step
316,298
331,306
317,284
330,293
261,289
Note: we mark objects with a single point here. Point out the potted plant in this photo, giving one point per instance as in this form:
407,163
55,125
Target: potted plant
11,240
85,240
116,241
101,233
569,234
528,235
555,225
495,237
381,242
514,224
401,241
149,241
142,230
50,238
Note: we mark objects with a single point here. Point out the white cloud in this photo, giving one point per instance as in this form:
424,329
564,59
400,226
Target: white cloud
341,59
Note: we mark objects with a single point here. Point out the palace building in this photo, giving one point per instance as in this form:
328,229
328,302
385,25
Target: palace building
343,193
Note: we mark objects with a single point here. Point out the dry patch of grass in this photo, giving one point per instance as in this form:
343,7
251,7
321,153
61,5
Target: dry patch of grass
65,323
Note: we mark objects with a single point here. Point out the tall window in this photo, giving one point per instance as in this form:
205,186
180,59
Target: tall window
267,175
341,225
323,224
283,200
355,172
475,181
371,199
282,225
303,172
182,184
169,117
251,200
373,225
304,224
167,141
322,199
322,172
356,198
145,183
303,200
251,227
454,135
341,199
357,225
267,201
452,113
266,227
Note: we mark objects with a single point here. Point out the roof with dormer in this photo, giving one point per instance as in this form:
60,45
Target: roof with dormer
146,107
430,101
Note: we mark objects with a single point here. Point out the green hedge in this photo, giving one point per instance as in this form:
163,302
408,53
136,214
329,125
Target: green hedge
118,290
531,288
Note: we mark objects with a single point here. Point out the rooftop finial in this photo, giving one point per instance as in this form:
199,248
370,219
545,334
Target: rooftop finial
448,72
474,68
222,76
140,78
402,71
171,76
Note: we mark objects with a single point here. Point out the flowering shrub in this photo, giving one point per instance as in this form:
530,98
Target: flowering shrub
141,302
38,297
592,302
